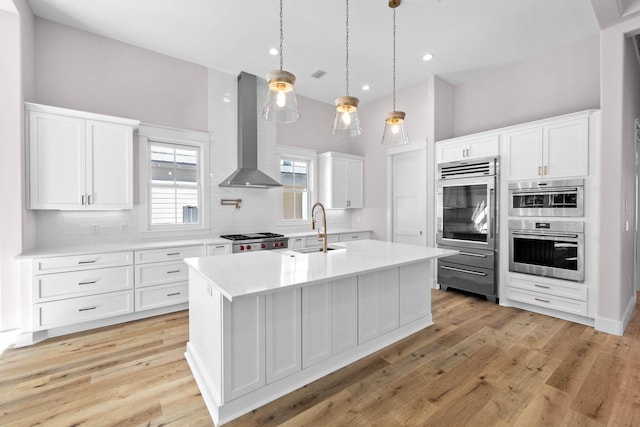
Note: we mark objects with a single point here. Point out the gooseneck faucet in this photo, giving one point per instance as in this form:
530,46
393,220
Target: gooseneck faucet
324,224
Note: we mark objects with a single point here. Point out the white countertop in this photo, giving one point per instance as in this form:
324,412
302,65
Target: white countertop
236,275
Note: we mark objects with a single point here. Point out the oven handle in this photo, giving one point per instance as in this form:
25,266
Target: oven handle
472,254
460,270
546,234
492,212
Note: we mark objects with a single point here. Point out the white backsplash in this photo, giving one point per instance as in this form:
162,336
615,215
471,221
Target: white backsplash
259,211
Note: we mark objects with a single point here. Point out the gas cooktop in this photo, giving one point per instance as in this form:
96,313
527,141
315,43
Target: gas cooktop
250,242
251,236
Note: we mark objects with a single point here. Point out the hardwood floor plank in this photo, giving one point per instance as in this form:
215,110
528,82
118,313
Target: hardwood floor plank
480,364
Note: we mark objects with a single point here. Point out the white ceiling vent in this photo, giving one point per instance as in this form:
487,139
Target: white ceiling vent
318,74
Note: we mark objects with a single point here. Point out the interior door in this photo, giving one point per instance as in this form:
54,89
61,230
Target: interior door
409,197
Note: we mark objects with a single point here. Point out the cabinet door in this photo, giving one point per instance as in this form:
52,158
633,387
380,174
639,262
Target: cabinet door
354,184
523,151
218,249
243,345
484,147
283,347
109,166
451,151
344,314
316,323
338,183
56,161
377,304
415,293
566,149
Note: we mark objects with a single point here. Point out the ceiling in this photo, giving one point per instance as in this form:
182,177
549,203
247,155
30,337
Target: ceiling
466,37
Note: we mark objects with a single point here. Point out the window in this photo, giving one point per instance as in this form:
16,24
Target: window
174,179
174,187
294,176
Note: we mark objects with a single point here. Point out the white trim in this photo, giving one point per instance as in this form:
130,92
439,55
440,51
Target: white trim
616,327
30,106
290,152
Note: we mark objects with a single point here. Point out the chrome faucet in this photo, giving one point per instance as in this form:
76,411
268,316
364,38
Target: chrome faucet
324,224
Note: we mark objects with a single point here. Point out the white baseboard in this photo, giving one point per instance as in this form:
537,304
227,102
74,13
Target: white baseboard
616,327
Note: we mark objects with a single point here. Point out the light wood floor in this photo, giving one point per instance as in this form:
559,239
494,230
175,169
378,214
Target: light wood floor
479,365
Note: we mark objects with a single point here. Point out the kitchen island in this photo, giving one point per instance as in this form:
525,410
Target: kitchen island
266,323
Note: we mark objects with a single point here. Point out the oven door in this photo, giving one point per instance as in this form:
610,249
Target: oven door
547,198
467,213
559,255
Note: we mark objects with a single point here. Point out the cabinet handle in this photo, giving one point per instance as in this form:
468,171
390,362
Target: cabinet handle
82,200
173,294
220,247
472,254
543,300
542,286
87,283
87,309
460,270
87,262
89,199
173,254
539,170
173,271
545,170
354,237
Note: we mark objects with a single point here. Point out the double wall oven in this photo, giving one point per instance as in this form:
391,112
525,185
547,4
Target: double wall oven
467,209
550,241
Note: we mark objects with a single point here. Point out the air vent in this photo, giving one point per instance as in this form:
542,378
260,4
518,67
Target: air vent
467,169
318,74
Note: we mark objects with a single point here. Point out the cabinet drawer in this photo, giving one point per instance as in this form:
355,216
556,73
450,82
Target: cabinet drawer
82,309
161,296
353,236
548,301
85,282
317,241
162,272
564,290
169,254
81,262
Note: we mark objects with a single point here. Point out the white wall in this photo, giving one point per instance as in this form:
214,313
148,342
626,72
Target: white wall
563,81
620,105
16,84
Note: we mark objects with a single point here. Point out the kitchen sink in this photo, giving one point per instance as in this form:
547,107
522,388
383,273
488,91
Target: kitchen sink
314,249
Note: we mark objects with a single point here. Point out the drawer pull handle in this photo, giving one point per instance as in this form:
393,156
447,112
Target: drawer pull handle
542,286
87,309
220,247
460,270
543,300
472,254
87,262
173,294
354,237
87,283
173,271
173,254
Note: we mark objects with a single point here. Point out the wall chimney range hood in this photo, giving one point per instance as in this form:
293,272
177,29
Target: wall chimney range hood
247,175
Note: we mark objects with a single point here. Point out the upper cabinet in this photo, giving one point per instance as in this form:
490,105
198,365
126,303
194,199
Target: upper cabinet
341,180
78,160
471,147
556,150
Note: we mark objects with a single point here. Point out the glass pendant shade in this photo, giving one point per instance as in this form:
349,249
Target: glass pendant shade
281,105
346,122
395,132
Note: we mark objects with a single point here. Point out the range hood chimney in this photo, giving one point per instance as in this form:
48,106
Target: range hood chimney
248,175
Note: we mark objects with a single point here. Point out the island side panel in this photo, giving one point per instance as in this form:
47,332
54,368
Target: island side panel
415,291
378,309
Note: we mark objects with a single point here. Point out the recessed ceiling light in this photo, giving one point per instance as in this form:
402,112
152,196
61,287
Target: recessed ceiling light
273,51
427,57
366,87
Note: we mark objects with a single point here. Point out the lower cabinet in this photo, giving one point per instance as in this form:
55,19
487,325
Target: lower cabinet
283,348
378,306
558,295
83,309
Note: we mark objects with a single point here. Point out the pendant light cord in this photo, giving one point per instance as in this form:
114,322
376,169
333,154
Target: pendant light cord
347,47
394,59
281,35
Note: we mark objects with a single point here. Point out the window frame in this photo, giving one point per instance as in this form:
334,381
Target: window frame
299,154
148,135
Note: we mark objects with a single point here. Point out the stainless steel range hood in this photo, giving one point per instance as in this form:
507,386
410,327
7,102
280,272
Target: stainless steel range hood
248,174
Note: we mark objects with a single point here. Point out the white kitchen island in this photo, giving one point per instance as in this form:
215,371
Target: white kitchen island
263,324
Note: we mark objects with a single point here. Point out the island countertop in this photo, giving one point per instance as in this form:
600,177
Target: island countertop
263,272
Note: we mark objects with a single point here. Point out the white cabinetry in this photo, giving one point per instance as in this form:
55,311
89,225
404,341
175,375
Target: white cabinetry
556,150
341,180
79,160
468,148
378,308
218,249
558,295
162,275
283,336
350,237
75,289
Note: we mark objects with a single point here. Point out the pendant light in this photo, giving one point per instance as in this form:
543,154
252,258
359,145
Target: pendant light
281,105
347,122
395,132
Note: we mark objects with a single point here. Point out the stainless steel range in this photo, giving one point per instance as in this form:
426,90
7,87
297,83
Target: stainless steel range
251,242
